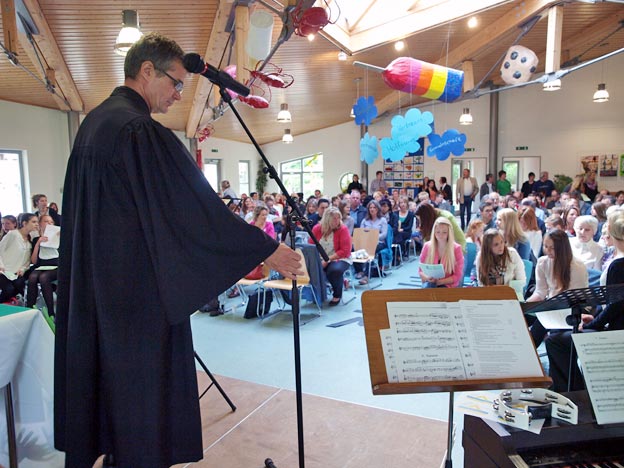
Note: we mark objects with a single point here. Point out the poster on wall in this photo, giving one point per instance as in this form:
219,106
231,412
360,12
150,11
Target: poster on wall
608,165
621,165
589,163
407,174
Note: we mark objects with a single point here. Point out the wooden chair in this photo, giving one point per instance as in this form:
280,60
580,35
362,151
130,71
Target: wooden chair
367,240
303,281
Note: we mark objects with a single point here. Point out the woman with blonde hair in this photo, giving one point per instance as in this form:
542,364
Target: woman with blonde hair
442,249
474,232
507,222
334,237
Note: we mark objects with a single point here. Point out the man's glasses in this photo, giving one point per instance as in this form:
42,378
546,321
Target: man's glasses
177,84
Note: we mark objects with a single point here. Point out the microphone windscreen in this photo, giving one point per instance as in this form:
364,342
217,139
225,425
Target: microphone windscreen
193,63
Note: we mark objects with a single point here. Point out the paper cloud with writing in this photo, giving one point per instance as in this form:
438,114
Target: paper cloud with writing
365,110
451,141
368,148
406,131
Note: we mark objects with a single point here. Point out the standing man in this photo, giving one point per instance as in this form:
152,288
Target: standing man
355,184
503,186
378,185
125,379
446,190
544,184
528,187
487,187
466,190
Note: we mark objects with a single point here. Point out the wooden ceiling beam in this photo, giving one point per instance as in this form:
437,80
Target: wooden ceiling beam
467,50
216,45
553,39
46,42
9,25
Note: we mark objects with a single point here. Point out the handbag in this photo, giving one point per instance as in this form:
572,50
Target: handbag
256,273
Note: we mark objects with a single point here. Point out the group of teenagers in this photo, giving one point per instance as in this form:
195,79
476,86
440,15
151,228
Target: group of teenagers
28,262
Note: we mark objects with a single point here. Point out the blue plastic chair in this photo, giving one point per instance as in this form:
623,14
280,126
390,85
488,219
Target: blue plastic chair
528,270
469,260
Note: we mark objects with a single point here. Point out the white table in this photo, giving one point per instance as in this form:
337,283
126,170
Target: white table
27,371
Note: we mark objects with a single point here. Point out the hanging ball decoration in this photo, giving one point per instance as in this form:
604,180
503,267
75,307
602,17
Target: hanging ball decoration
519,65
309,21
424,79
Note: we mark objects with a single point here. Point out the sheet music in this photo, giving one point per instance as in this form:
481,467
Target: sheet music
53,233
441,341
432,270
602,359
554,319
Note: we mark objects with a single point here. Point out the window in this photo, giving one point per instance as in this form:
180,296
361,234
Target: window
303,174
211,172
243,177
13,197
511,168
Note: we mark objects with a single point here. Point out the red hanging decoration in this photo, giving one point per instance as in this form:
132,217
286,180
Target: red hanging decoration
311,20
205,132
272,75
198,158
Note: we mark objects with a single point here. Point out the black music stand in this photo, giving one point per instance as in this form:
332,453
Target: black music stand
214,382
577,300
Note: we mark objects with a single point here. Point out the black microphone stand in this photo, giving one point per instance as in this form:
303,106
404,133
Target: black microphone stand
293,216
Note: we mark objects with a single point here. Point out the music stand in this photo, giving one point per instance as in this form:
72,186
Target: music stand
577,300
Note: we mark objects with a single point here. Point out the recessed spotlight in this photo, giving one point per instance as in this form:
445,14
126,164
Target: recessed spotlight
399,46
473,22
310,37
342,56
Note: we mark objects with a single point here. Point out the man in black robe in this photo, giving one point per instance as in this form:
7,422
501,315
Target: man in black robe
146,241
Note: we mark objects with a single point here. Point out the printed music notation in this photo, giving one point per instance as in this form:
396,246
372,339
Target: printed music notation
602,360
429,342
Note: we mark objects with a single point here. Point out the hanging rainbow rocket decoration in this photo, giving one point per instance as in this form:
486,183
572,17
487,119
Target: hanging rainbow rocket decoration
421,78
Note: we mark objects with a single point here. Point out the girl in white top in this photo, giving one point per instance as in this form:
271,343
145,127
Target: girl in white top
496,263
45,261
556,271
584,247
528,222
15,249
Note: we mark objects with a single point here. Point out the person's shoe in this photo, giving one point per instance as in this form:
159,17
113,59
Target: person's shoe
346,283
359,275
233,293
364,280
334,302
216,313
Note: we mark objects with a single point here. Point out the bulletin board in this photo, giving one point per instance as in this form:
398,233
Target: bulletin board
406,174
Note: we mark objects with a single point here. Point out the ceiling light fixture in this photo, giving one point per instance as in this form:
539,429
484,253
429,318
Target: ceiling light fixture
130,32
287,137
311,37
283,116
399,46
357,84
342,56
473,22
466,117
601,95
553,85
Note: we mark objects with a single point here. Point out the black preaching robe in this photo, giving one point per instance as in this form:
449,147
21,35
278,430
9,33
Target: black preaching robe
145,242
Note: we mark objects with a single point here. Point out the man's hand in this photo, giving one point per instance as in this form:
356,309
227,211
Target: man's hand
286,261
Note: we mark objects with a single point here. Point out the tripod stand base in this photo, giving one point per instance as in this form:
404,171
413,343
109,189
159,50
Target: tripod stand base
213,382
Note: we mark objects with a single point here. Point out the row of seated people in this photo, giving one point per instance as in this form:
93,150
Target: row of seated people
29,258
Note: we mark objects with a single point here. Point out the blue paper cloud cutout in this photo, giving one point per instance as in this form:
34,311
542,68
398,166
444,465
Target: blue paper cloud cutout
365,110
368,148
451,141
395,150
414,125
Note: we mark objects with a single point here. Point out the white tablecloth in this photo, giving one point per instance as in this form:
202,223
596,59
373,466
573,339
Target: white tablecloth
27,361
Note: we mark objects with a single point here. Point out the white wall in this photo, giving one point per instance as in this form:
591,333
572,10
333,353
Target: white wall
43,135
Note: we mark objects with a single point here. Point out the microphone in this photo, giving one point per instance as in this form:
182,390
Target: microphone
194,64
268,463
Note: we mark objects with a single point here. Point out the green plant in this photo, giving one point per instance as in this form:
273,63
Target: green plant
261,178
561,181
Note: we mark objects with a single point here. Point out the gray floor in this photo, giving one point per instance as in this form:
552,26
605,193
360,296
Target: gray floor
334,362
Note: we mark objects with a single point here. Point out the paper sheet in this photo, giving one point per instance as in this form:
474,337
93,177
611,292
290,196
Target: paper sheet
433,270
53,233
602,360
554,319
443,341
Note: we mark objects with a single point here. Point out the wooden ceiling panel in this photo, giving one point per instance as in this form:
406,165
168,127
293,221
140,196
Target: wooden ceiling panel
324,89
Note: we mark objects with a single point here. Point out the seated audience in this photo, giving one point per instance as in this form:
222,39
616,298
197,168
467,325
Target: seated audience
528,222
474,232
403,231
554,221
373,220
610,318
426,216
46,257
247,209
15,250
442,249
334,237
496,263
260,220
599,211
9,223
40,204
347,220
507,222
